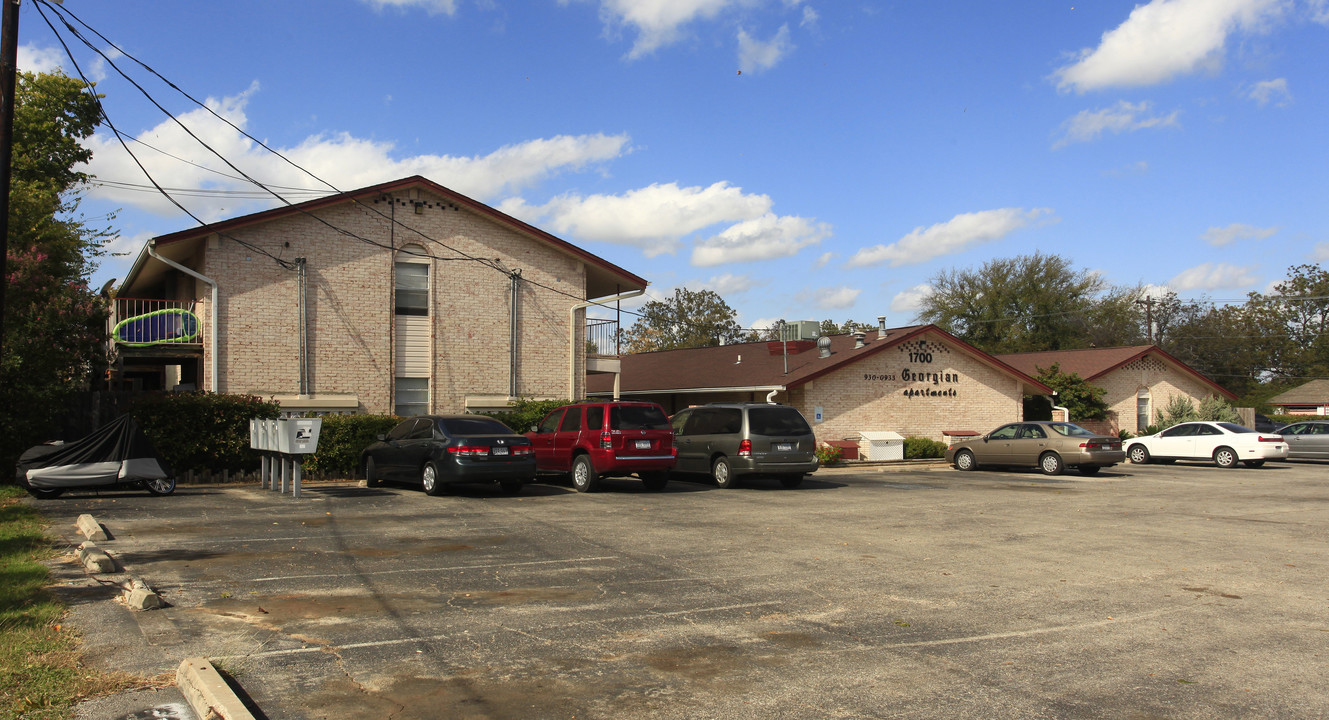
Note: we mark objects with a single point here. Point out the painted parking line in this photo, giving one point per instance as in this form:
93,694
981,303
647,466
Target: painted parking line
445,568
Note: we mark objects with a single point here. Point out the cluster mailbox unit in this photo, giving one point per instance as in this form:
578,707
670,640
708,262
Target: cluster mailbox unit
280,442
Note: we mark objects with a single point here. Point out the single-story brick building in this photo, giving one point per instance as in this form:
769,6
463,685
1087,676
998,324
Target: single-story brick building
1140,380
402,297
1309,399
915,381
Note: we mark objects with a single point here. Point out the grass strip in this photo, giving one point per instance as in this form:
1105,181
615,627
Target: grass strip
42,672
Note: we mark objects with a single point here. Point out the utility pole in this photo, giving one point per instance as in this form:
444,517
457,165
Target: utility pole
1148,304
8,81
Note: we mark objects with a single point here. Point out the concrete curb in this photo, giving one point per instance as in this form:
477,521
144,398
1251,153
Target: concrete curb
94,558
90,528
207,693
139,596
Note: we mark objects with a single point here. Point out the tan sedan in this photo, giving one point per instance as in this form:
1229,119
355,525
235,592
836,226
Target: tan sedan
1049,446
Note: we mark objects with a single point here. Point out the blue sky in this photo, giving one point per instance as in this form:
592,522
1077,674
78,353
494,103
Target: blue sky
804,159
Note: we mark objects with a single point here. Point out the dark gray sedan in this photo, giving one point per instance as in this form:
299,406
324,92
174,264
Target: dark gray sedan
440,450
1049,446
1307,440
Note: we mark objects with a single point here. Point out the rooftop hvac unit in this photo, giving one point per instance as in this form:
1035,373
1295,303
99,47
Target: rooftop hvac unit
800,330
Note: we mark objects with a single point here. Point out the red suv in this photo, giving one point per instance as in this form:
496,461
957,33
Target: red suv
608,439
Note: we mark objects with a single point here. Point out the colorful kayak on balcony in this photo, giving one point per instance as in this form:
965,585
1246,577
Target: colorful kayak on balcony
160,327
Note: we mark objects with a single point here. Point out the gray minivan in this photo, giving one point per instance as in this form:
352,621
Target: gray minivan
730,440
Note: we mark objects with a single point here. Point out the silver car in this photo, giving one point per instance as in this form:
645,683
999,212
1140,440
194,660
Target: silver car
1049,446
730,440
1307,440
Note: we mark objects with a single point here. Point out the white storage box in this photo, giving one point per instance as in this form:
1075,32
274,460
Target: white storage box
882,445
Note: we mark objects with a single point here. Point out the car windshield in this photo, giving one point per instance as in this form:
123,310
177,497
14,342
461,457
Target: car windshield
1234,428
473,426
637,417
777,421
1071,430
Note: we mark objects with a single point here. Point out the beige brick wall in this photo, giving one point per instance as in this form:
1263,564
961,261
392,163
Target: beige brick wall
919,389
350,304
1164,381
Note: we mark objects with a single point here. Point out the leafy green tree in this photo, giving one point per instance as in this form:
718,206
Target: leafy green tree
688,319
1031,302
829,327
54,326
1082,400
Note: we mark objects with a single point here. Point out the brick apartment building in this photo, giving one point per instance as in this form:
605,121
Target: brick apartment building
915,381
1140,380
403,297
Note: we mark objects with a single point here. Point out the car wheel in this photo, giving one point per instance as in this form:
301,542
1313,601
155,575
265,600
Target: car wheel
371,473
45,493
1090,469
511,487
429,480
722,472
584,477
1050,464
160,486
791,481
1225,457
1138,454
655,481
964,460
1254,463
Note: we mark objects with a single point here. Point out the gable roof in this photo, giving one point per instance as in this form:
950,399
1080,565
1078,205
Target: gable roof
602,277
1094,363
760,366
1315,392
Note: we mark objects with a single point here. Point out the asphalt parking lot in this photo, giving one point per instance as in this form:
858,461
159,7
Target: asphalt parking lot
1180,591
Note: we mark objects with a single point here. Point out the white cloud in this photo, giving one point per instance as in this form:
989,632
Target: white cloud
654,218
1321,252
345,161
825,258
911,299
763,238
810,17
755,55
1163,39
730,284
1214,276
832,298
446,7
1123,117
1270,91
1319,10
1220,236
39,60
659,22
950,237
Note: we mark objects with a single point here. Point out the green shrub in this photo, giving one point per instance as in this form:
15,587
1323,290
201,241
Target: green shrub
526,412
342,438
202,431
918,448
829,455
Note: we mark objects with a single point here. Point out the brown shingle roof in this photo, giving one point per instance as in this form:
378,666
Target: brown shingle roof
1093,363
761,365
1315,392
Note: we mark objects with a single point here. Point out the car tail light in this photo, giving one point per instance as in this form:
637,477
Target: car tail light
606,440
1271,438
469,450
523,450
745,448
1091,445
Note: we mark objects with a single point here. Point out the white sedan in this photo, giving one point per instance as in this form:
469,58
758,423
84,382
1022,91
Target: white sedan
1225,443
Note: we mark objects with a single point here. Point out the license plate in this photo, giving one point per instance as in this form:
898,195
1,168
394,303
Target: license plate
643,444
784,447
499,450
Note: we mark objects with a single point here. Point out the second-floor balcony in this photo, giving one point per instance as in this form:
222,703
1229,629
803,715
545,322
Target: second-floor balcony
602,338
154,323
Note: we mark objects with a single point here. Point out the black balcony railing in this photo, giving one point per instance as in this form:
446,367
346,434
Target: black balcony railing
602,337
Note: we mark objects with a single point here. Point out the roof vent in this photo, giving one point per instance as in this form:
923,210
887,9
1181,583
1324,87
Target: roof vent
881,327
860,339
823,347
